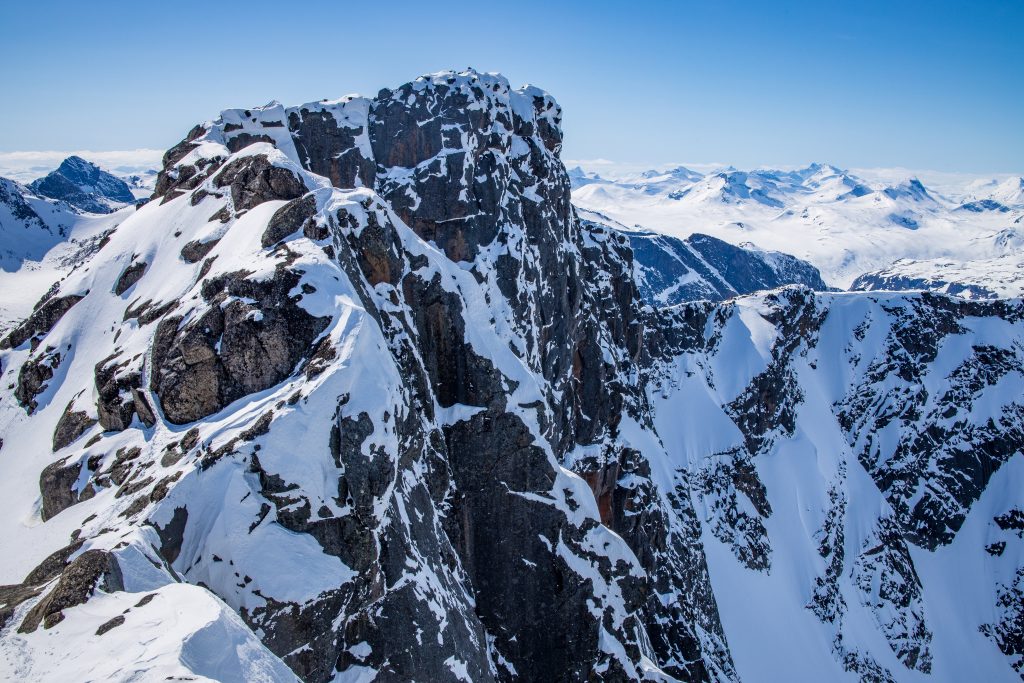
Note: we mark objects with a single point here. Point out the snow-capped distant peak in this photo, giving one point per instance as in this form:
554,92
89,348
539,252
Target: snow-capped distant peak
578,177
85,186
911,188
1009,192
677,173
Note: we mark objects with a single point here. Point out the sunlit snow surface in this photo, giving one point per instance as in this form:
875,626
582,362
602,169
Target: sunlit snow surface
840,223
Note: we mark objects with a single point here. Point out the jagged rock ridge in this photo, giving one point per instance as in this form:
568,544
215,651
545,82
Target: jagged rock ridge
368,343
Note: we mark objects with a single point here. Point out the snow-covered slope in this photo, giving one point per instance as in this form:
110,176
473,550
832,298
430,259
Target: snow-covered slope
669,271
855,461
359,394
1005,193
999,277
41,240
29,225
842,224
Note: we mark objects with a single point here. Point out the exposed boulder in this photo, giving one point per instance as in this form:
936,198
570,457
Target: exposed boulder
33,377
90,570
46,314
120,395
58,486
196,251
254,180
72,424
132,274
288,219
235,348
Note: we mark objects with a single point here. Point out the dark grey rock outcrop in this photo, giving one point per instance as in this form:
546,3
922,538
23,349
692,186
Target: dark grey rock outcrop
234,349
90,570
46,314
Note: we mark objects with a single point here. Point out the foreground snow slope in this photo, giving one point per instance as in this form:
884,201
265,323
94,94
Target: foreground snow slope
360,390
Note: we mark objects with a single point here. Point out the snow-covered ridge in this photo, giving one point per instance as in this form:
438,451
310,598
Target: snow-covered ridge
669,271
360,388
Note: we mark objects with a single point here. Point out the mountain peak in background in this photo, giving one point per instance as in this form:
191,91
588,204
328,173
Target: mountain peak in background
84,185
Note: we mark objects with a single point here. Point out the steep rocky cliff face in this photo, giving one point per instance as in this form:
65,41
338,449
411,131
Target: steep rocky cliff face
361,391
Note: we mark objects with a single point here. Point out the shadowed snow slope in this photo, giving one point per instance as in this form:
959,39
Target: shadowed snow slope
669,271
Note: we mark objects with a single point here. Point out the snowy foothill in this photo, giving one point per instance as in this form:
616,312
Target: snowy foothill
841,223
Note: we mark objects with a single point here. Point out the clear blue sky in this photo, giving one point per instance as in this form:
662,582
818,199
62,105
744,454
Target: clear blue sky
936,85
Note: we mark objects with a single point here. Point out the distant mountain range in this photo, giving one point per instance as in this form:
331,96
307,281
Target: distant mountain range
844,225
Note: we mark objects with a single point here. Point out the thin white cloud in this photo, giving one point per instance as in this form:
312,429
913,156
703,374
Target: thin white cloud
25,166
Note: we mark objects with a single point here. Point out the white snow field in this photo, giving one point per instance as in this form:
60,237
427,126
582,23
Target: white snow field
840,223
